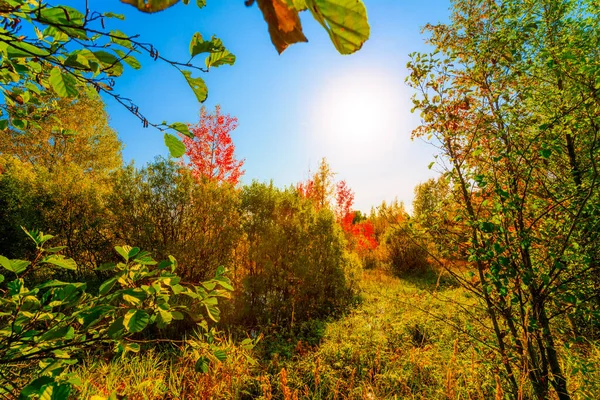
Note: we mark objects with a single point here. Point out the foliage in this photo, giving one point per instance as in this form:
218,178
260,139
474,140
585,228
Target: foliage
69,132
73,53
510,95
404,253
164,209
319,188
211,150
436,215
368,353
297,266
46,327
67,201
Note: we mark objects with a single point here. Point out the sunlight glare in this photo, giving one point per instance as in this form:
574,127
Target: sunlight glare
358,109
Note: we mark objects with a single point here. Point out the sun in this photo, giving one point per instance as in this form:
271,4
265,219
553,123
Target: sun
357,109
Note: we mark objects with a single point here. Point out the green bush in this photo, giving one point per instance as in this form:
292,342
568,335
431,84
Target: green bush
46,327
164,209
404,253
296,266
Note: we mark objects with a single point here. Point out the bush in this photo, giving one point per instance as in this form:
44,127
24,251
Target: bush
164,209
405,255
296,266
46,327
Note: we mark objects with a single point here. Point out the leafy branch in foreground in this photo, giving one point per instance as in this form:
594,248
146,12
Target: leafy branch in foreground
45,328
72,53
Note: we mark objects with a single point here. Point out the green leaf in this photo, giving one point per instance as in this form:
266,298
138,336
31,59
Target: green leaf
60,261
198,45
64,333
113,15
202,365
107,285
197,85
220,58
136,320
175,145
182,128
16,49
220,355
129,60
123,251
164,318
63,84
16,266
344,20
116,329
110,63
120,38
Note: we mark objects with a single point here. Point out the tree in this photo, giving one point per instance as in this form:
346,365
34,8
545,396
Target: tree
70,131
508,95
211,150
319,188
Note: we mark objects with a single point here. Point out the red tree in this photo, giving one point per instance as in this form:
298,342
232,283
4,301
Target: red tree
211,150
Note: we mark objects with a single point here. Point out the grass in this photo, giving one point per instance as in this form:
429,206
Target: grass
407,339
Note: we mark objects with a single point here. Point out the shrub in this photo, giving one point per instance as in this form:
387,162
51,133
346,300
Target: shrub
166,210
296,266
47,327
404,253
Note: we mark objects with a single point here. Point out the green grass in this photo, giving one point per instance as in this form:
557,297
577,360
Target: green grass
407,339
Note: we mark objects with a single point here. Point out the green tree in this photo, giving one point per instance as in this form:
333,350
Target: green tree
511,96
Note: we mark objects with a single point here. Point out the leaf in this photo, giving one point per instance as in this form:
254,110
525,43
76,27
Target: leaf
110,63
129,60
164,318
136,320
197,85
63,84
150,6
60,261
175,145
16,266
345,21
182,128
220,355
202,365
107,285
65,333
116,329
198,45
220,58
284,23
123,251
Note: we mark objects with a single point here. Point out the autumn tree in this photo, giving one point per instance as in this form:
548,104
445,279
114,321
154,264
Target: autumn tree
320,186
211,150
511,99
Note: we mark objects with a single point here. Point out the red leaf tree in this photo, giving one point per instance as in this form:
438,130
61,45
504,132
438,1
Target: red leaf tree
211,151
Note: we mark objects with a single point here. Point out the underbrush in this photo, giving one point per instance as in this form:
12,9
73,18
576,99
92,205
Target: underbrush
407,339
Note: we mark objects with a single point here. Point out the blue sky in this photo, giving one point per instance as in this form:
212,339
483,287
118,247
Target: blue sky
295,108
